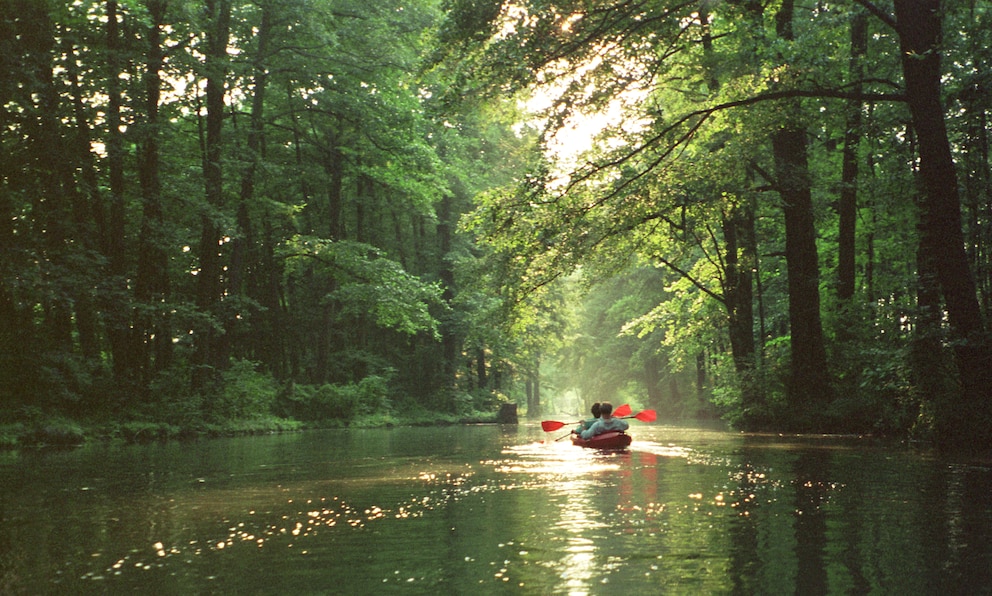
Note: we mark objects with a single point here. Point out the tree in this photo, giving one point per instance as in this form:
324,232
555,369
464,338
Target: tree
211,345
810,384
593,52
152,284
962,423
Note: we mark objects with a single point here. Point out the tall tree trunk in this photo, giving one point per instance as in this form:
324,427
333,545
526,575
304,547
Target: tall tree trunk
927,356
977,183
701,376
55,216
534,402
244,258
118,319
978,198
738,292
364,206
848,202
738,287
480,368
211,350
273,336
152,286
450,341
334,166
965,420
86,211
809,385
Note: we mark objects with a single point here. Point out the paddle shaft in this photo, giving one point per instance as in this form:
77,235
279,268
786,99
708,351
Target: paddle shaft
553,425
643,416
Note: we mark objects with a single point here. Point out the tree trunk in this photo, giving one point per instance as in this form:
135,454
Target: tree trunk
738,290
86,208
534,407
244,250
118,319
52,202
701,376
211,353
334,166
847,207
965,421
152,285
809,384
977,183
480,368
450,340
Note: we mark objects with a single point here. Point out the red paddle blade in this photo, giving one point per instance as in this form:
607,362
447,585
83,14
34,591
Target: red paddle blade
622,411
551,425
647,416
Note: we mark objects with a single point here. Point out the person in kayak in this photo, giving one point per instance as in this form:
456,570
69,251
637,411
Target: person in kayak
606,422
585,424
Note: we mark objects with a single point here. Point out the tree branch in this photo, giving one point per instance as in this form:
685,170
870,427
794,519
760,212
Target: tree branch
878,12
702,114
692,280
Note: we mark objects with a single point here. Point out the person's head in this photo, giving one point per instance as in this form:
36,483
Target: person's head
605,409
595,410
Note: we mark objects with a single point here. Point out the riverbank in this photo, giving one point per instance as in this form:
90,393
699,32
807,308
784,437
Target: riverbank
63,432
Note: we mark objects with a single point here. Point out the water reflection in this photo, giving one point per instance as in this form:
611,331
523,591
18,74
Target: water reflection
491,509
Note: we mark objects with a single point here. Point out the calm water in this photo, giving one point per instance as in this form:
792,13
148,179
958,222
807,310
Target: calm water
488,509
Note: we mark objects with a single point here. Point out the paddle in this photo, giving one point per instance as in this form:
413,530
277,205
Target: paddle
643,416
553,425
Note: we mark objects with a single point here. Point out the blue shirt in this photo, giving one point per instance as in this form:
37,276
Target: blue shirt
585,424
604,425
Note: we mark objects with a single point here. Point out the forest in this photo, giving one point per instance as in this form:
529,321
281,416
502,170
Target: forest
254,215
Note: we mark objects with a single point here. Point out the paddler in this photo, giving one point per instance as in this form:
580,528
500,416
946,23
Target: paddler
606,422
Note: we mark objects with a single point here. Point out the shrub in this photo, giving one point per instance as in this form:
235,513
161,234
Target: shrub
373,395
169,399
326,402
246,393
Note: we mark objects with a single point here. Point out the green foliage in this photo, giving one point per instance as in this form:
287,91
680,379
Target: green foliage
367,283
342,403
246,393
383,214
170,401
768,407
665,191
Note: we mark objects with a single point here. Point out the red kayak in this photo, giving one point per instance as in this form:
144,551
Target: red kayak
613,439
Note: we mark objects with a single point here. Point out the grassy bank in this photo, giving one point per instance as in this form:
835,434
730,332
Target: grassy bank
63,432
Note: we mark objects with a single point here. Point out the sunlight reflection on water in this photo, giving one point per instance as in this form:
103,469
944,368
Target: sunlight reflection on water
483,509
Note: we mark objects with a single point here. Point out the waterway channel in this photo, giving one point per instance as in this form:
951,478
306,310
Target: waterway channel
495,509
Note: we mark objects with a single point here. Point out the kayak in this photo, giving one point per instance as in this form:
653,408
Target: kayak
613,439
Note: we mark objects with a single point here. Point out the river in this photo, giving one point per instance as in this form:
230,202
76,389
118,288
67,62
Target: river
495,509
